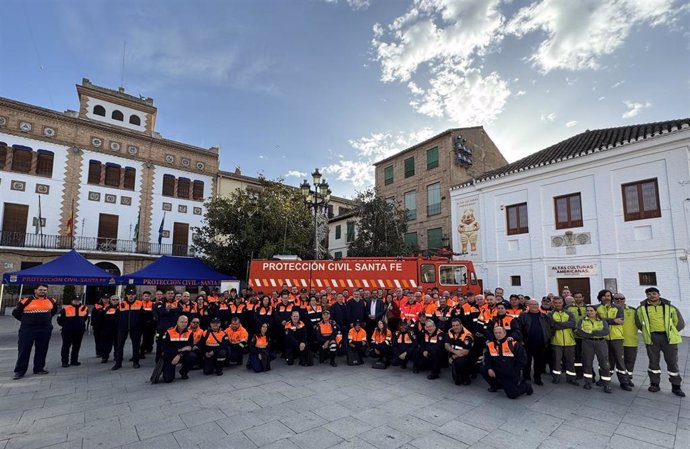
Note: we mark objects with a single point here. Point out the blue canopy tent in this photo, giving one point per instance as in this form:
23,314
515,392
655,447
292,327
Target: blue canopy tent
172,270
69,269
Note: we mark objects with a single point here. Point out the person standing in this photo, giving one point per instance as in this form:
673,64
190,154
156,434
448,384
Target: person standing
615,317
72,318
128,325
375,312
579,310
36,315
109,319
630,339
148,325
661,323
563,326
536,334
97,323
593,332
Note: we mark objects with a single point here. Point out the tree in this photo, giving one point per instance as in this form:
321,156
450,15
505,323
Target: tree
69,292
381,228
250,225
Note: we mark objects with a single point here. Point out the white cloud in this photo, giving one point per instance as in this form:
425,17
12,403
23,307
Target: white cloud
295,174
634,108
571,123
548,117
356,5
370,149
602,98
580,32
618,83
520,93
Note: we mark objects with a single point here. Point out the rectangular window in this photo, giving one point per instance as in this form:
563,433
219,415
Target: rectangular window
3,155
432,158
44,163
198,191
453,275
94,172
568,210
130,178
648,278
434,238
183,188
388,175
168,185
338,255
411,240
641,200
21,160
338,232
515,281
112,175
411,204
409,167
350,232
516,216
433,199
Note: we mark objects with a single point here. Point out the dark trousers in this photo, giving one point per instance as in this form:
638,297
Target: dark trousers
536,357
148,334
356,352
382,351
135,336
461,369
659,345
431,361
186,361
617,361
159,342
71,340
215,362
397,351
293,352
630,356
235,355
98,339
578,358
563,356
329,353
28,337
107,342
598,348
511,383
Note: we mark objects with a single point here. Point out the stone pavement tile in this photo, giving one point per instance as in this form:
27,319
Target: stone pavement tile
682,439
161,442
646,435
281,444
650,422
231,408
202,416
105,425
10,418
375,417
306,404
148,429
530,422
590,425
148,403
66,445
683,424
268,433
234,441
609,416
238,423
552,442
480,420
433,415
272,413
111,439
684,413
61,421
578,437
202,435
106,412
354,443
552,409
462,432
33,404
412,425
294,392
435,440
385,437
318,438
299,423
36,441
347,427
332,412
623,442
646,404
32,415
268,398
499,438
398,407
664,395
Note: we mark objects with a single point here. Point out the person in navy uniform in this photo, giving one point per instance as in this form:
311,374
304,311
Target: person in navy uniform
72,318
36,315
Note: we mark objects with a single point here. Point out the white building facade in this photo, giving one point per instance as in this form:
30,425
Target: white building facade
603,209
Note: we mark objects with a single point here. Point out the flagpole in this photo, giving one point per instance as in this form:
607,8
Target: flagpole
71,228
40,221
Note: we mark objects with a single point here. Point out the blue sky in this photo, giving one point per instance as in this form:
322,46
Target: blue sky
284,86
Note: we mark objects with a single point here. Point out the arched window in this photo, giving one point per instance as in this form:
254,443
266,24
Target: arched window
135,120
168,185
44,163
198,190
94,172
183,188
130,177
112,175
117,115
21,158
99,110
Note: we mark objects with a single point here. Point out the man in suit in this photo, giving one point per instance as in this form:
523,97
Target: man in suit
375,311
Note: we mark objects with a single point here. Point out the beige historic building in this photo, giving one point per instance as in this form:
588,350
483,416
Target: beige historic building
419,179
103,172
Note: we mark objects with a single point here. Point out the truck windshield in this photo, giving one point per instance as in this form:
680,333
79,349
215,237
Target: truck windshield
428,273
453,274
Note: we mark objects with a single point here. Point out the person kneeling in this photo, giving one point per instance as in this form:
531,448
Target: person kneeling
458,345
238,339
430,350
296,341
381,346
328,338
356,344
504,360
215,348
260,355
178,344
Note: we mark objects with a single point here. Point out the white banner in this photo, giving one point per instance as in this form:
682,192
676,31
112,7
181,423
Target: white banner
468,229
573,270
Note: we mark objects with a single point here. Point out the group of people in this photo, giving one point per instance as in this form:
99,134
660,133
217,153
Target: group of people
510,342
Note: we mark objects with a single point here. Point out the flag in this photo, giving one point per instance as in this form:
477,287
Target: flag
160,230
38,222
69,229
136,228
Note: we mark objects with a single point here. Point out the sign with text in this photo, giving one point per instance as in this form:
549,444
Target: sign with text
573,270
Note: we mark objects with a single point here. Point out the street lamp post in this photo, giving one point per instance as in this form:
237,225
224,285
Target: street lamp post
317,200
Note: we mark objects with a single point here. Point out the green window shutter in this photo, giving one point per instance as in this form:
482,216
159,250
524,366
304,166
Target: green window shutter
338,255
350,232
434,238
337,232
411,239
388,175
432,158
409,167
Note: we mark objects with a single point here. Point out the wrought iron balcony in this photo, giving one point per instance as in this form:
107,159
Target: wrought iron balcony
26,240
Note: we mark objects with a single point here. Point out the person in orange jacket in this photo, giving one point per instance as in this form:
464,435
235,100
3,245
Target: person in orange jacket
356,344
381,341
72,318
328,338
214,347
296,340
238,338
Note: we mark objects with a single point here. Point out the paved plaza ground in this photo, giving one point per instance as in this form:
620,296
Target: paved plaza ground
319,407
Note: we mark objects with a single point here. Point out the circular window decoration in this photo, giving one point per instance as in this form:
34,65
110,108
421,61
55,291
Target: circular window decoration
169,158
115,146
25,126
3,121
186,162
48,132
96,142
132,149
200,165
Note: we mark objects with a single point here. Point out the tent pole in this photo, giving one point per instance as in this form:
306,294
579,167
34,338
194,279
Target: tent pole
2,295
21,290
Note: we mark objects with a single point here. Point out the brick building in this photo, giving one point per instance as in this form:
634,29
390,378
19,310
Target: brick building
105,169
419,179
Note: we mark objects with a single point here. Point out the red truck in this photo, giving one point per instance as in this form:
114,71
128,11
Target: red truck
386,273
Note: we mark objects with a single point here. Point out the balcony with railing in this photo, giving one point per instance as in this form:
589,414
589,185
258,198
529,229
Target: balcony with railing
43,241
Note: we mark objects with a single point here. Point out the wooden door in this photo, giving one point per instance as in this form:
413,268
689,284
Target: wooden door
575,285
107,232
14,221
180,239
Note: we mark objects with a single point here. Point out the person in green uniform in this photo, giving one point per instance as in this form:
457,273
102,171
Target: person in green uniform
577,308
563,325
630,339
614,316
